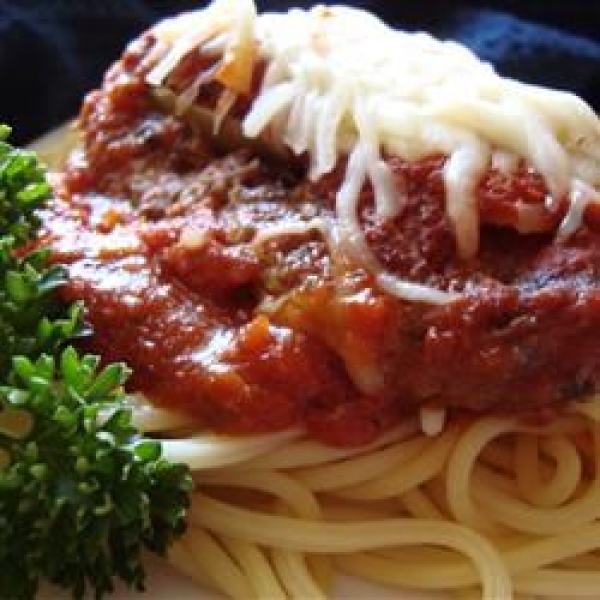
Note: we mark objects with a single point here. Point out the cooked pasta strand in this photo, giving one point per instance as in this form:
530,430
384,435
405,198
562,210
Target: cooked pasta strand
256,567
295,576
295,534
212,560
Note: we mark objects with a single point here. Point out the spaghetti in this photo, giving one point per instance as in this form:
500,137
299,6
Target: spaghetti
461,502
489,504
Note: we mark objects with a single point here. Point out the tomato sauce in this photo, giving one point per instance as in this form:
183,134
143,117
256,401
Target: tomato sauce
157,229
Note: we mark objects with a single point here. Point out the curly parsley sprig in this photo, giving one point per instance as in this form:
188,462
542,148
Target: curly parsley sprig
81,491
23,188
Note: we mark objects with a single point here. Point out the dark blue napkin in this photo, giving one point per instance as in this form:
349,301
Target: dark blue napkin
53,51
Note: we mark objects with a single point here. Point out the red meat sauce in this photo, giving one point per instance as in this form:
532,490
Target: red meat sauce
157,230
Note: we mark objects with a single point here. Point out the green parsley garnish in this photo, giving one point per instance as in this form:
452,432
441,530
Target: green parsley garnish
81,492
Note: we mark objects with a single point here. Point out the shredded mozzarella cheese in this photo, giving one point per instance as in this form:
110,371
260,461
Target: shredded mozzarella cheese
339,82
581,195
287,228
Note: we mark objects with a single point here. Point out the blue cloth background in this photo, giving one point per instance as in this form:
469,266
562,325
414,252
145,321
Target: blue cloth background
53,51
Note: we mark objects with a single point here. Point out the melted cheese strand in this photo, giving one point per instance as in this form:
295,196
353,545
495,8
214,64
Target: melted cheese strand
291,227
461,174
413,292
350,236
339,82
581,196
